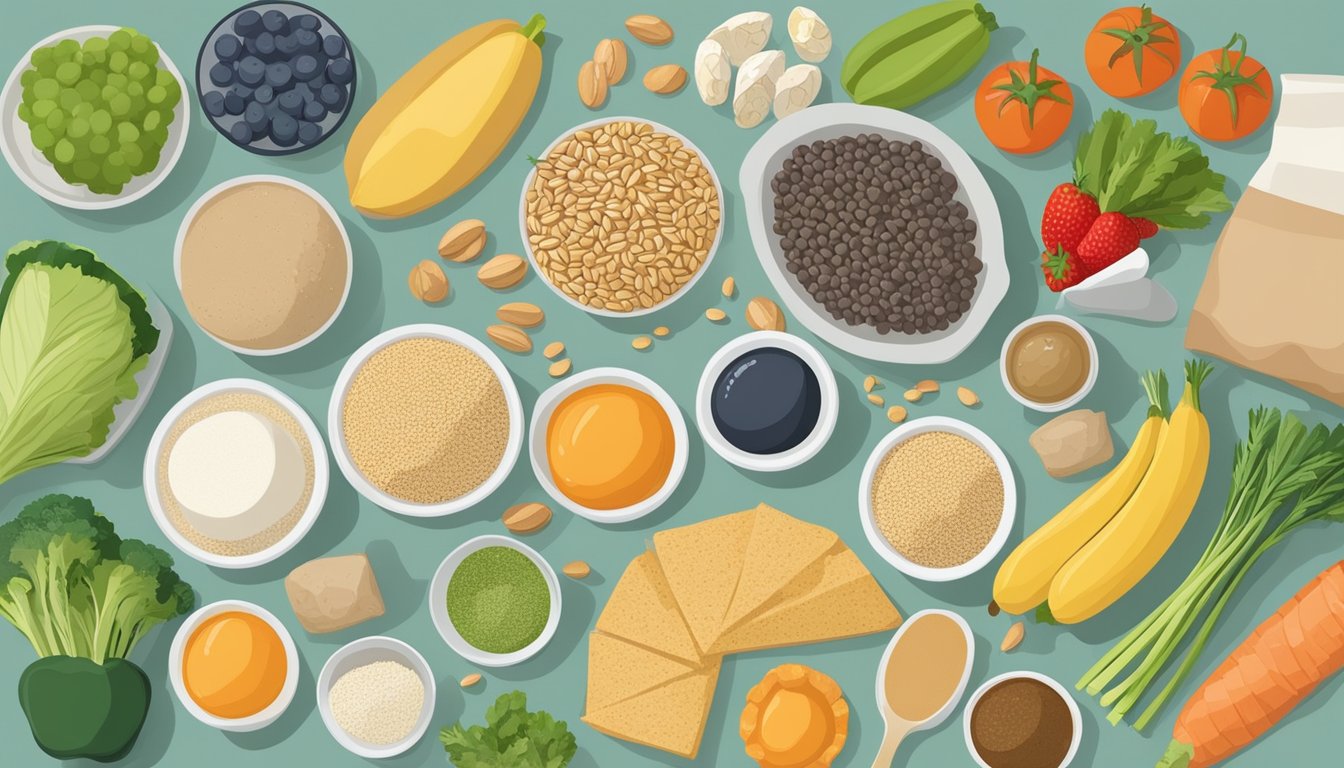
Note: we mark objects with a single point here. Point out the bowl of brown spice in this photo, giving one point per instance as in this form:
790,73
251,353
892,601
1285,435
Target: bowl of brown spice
1022,720
937,499
621,216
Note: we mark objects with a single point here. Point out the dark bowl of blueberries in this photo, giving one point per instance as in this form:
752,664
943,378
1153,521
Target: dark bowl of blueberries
276,77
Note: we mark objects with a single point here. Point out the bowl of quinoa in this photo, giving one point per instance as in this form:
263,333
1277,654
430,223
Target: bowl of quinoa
937,499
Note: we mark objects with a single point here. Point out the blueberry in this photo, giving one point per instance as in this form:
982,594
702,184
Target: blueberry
228,48
266,45
247,23
314,111
251,70
284,130
255,116
309,133
233,103
305,91
286,45
241,133
305,21
275,22
243,92
332,97
264,94
213,102
291,103
221,74
305,67
333,45
278,74
341,71
320,79
307,41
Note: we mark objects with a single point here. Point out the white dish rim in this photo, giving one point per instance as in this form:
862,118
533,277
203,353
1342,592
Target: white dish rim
939,717
1074,712
1071,400
387,648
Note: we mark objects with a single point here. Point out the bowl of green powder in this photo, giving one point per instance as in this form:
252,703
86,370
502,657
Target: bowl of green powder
495,601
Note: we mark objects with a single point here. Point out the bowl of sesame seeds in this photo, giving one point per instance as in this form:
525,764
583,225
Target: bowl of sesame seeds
376,696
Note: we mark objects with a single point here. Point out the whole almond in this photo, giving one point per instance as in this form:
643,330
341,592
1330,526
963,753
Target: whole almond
503,271
641,342
428,283
470,680
714,314
554,350
592,84
729,286
528,517
1013,637
577,570
649,29
896,414
869,383
665,79
559,368
510,338
521,313
877,400
612,57
927,386
913,395
463,241
967,397
764,315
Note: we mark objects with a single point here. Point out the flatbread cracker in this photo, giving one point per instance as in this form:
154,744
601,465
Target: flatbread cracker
619,670
702,563
670,717
780,547
642,610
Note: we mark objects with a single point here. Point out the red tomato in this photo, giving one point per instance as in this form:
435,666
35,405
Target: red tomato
1225,94
1132,51
1023,108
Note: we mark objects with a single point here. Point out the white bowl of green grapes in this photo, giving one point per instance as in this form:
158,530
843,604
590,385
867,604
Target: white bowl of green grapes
94,117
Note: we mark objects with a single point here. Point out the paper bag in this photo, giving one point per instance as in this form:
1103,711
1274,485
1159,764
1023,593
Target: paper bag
1273,298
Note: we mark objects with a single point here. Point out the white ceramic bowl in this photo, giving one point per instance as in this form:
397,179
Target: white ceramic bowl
368,650
1061,690
38,174
685,289
828,121
321,474
775,462
341,451
252,722
541,418
879,542
1067,402
438,603
942,714
214,192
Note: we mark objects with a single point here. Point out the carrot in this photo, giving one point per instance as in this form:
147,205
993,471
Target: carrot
1260,682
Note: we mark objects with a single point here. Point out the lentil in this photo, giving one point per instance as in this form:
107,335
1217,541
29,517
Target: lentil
378,703
498,600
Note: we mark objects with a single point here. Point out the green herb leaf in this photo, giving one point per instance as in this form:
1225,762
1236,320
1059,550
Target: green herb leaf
512,737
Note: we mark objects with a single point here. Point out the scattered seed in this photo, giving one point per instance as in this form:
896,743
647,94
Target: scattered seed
510,338
521,313
577,570
661,331
896,414
876,400
528,517
764,315
869,383
913,395
554,350
559,368
993,608
927,386
1014,636
473,679
714,314
641,342
967,397
729,286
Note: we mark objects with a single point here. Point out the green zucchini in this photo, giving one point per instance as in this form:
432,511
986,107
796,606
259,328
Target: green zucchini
914,56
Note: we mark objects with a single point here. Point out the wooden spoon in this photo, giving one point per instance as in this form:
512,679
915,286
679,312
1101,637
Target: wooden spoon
918,671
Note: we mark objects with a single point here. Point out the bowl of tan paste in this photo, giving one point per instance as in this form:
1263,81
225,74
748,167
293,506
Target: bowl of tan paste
264,264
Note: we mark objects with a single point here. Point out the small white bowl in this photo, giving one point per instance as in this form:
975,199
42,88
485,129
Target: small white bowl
368,650
438,603
879,542
1063,693
1075,398
775,462
38,174
685,289
336,432
541,418
321,474
240,724
218,189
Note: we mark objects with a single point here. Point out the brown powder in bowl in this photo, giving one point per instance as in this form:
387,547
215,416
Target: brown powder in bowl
937,498
425,420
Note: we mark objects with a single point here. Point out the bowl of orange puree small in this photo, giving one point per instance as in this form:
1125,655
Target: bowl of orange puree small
608,444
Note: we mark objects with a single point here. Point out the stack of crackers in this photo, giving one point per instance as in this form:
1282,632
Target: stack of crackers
742,582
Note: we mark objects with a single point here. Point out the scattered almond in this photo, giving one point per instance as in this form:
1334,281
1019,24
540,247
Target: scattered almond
913,395
764,315
473,679
967,397
665,79
729,286
559,368
528,517
510,338
877,400
577,570
641,342
927,386
521,313
650,29
1013,637
503,271
661,331
611,56
896,414
592,84
463,241
869,383
714,314
428,283
554,350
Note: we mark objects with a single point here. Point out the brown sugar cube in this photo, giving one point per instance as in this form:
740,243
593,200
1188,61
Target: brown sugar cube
332,593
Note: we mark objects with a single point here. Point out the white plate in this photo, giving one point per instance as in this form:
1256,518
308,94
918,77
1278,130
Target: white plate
1071,400
321,474
830,121
879,542
37,173
214,192
541,418
438,603
273,710
774,462
336,432
685,289
368,650
1076,716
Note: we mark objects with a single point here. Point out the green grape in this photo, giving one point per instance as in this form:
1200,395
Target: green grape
115,159
135,89
119,40
140,44
87,90
68,73
65,51
151,121
40,56
43,138
69,98
127,133
100,145
118,80
137,71
78,128
98,77
43,108
157,95
46,88
100,122
56,120
134,155
86,170
119,105
26,113
95,45
108,91
64,151
28,77
85,110
174,89
118,61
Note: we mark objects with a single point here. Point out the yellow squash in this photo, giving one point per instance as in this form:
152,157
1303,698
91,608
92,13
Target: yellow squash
1141,532
1023,581
446,120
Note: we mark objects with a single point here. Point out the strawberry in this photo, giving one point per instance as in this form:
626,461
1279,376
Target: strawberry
1146,227
1069,213
1061,270
1112,237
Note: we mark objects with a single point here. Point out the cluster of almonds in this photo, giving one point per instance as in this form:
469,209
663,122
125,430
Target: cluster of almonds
897,413
611,59
464,242
763,83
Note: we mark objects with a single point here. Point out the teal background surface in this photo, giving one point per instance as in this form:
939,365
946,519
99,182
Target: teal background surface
391,35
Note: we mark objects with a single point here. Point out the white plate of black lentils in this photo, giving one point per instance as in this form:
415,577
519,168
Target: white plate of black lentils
877,230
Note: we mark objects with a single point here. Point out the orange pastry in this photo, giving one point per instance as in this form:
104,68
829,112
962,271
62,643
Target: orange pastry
796,717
